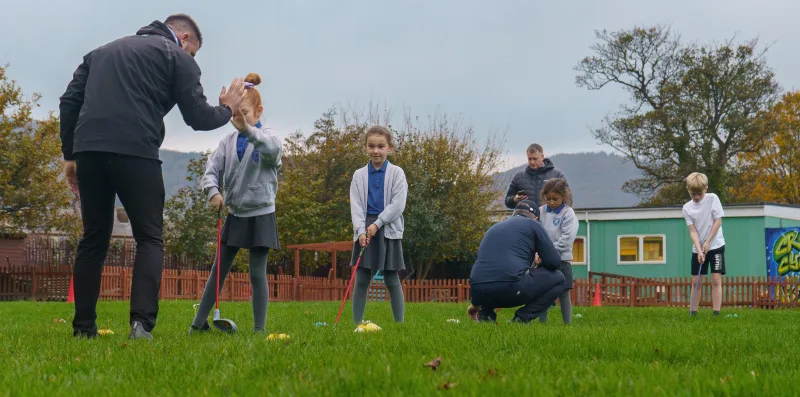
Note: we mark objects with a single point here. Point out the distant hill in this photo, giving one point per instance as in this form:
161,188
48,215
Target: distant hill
174,166
595,178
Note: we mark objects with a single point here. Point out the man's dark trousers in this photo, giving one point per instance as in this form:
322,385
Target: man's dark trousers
537,289
139,185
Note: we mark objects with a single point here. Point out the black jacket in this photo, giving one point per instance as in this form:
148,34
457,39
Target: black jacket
119,95
532,181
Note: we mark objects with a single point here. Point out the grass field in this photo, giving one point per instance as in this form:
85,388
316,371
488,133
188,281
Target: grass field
607,351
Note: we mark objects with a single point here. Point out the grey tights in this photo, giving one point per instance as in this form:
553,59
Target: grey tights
566,309
258,279
392,281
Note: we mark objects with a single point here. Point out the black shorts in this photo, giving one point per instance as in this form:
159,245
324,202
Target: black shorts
715,259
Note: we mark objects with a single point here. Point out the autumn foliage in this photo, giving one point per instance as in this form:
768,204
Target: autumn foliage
33,193
772,173
450,187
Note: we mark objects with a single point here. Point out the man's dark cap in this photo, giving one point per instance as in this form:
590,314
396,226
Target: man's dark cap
528,205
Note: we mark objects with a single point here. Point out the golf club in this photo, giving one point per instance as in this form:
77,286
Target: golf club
220,323
350,284
696,286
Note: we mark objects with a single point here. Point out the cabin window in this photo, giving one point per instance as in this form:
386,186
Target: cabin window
641,249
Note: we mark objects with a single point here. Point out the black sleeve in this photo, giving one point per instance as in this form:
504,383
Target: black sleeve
550,257
512,191
192,102
70,106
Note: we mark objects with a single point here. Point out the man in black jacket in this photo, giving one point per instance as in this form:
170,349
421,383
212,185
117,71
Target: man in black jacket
527,184
502,275
111,130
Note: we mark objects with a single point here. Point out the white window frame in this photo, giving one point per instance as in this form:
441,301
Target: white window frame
641,238
583,260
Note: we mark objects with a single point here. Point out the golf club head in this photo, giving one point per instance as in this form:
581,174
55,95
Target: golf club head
223,324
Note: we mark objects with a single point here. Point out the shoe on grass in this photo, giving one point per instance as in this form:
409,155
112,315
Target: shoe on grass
472,312
193,329
84,334
138,332
519,320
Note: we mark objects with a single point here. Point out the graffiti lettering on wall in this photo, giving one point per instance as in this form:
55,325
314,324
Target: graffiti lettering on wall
783,251
783,261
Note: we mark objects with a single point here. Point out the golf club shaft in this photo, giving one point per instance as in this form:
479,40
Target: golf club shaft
349,285
696,286
219,242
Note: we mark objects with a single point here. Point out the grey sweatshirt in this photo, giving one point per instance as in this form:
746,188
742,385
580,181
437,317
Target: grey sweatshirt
250,184
562,229
395,190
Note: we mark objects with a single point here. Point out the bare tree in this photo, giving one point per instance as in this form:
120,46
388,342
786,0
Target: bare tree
692,108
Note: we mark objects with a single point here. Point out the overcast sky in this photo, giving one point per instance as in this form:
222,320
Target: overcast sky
501,66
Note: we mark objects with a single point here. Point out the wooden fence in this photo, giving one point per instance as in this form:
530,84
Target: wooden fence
52,284
46,251
737,291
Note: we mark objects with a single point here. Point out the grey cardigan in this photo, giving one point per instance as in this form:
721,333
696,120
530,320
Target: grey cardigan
562,228
252,183
395,190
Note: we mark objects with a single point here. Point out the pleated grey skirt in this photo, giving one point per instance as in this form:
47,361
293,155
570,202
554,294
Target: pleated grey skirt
381,253
566,268
252,232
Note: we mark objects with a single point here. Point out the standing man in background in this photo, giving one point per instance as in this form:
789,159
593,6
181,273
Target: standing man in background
111,130
527,184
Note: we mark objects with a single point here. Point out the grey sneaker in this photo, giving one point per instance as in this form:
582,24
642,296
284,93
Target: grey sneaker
138,332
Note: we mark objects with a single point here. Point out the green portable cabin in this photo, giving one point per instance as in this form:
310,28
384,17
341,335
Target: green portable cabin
655,242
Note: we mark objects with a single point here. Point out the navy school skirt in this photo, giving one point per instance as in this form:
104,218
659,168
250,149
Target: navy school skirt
381,253
252,232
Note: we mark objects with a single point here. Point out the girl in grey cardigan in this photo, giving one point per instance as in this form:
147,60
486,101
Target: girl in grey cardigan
561,224
246,163
377,200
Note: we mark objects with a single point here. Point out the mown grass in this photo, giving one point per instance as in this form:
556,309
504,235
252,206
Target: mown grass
608,351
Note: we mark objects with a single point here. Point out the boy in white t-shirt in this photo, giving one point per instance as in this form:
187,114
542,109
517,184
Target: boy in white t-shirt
704,218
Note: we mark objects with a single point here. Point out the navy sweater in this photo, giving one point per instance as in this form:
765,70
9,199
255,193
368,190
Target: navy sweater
507,251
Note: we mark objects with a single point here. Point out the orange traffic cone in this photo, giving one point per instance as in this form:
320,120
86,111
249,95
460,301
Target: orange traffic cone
71,295
597,301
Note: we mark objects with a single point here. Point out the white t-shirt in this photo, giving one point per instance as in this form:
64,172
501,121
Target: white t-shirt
703,215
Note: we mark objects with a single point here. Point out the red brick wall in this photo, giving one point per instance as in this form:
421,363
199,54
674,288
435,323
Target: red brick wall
14,249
